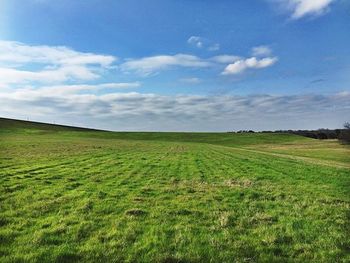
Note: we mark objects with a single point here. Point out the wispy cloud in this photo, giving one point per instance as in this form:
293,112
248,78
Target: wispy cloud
12,52
261,51
214,47
201,42
150,65
196,41
60,74
53,64
236,64
302,8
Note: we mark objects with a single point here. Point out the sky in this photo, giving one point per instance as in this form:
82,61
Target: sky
184,65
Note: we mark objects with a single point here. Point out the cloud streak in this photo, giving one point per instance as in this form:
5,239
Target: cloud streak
192,80
65,90
150,65
12,52
136,111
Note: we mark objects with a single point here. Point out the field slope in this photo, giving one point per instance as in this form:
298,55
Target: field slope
77,195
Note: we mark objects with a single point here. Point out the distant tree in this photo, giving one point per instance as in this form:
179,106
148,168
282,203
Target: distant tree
344,135
337,132
332,135
322,136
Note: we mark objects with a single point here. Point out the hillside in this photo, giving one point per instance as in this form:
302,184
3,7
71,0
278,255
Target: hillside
13,125
226,139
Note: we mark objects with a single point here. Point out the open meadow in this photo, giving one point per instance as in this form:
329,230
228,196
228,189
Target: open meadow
74,195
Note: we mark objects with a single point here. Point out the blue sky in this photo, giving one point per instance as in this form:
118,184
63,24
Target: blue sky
176,65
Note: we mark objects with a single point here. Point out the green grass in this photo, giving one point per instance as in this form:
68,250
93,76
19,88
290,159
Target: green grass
71,195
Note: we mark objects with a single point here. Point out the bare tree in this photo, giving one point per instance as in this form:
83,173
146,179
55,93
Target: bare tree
344,135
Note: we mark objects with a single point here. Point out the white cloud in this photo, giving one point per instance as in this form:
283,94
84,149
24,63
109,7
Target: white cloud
302,8
196,41
193,80
52,64
201,42
249,63
261,51
16,52
261,58
61,74
149,65
310,7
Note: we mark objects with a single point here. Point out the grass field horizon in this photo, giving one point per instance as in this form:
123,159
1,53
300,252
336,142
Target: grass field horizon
77,195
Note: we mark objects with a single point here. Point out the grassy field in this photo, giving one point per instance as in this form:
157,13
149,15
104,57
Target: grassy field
71,195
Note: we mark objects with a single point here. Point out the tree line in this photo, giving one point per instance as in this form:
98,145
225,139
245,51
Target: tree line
322,134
